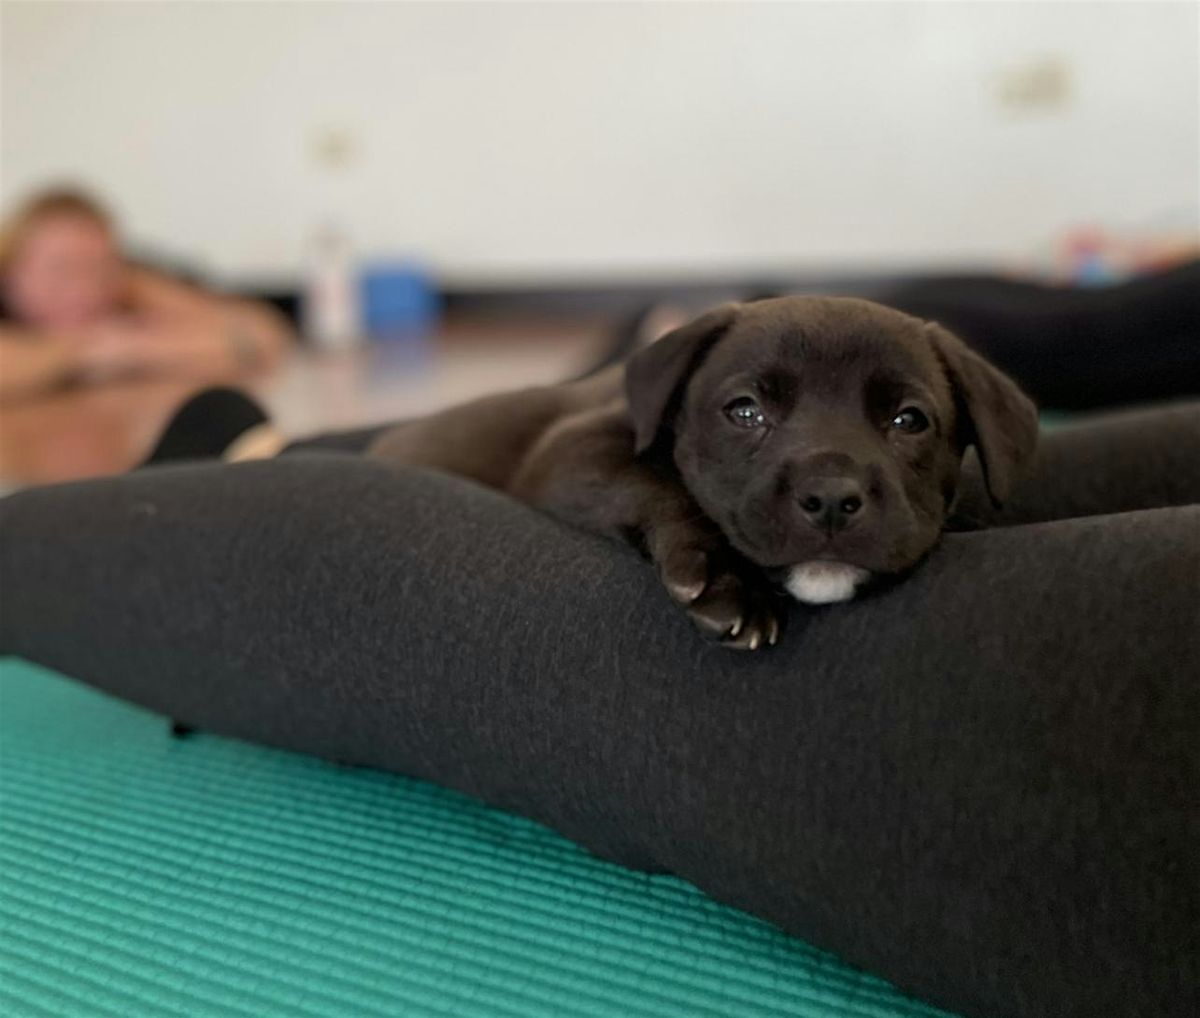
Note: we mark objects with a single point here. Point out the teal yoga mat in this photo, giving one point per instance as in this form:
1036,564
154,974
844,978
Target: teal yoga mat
142,875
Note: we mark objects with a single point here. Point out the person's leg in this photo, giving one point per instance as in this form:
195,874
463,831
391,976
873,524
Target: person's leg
1074,347
979,784
228,424
208,425
1137,459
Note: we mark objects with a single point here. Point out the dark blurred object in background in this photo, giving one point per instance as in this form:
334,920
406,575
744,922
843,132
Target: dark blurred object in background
1076,348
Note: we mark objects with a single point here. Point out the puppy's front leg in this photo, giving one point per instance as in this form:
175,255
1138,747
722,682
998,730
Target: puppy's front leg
583,471
727,597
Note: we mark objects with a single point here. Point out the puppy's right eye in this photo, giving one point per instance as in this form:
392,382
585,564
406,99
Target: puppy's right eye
910,420
745,413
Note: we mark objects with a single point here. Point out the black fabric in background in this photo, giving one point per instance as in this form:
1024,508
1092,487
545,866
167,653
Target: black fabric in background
981,784
1075,348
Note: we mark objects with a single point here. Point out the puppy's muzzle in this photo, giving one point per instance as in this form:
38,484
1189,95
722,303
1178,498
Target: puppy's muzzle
832,504
831,491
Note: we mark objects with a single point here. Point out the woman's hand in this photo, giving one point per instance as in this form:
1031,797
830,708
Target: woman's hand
177,331
180,330
112,349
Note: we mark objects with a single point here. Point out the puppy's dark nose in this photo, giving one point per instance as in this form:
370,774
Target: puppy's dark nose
831,503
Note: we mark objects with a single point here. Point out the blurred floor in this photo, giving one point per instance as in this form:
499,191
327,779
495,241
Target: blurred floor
468,358
107,429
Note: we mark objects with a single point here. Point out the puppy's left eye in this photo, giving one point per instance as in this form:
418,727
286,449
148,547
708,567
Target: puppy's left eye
910,420
745,413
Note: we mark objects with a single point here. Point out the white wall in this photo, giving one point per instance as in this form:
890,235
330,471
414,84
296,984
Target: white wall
569,139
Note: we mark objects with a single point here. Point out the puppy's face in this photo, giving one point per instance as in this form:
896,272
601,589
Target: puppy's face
825,436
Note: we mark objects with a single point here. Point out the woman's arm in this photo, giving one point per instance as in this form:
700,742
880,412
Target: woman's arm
171,329
180,329
31,363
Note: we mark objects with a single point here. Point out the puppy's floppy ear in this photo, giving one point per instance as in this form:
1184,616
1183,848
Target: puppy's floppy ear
994,415
655,373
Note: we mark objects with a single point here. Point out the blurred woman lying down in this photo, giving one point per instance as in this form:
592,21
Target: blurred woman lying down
74,309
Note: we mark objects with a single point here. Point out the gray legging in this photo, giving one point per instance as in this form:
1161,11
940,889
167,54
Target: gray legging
981,784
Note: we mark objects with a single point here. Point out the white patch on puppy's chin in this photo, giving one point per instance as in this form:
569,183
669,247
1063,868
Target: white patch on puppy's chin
824,582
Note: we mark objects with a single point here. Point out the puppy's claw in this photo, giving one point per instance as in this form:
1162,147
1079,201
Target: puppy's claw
755,632
733,606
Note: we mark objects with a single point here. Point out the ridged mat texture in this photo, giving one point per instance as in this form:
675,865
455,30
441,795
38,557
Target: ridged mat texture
144,875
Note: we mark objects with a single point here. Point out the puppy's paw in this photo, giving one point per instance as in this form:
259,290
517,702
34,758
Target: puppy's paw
737,609
726,597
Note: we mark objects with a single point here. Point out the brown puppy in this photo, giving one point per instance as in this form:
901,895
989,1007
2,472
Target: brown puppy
813,441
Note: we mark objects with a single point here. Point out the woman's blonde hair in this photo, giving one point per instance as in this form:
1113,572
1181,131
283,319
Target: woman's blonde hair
46,204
